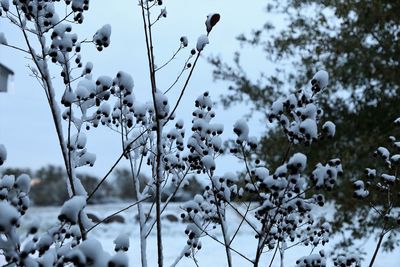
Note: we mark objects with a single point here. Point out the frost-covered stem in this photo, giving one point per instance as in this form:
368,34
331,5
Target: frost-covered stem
223,229
248,170
81,226
158,174
49,90
72,169
178,259
378,245
282,254
142,222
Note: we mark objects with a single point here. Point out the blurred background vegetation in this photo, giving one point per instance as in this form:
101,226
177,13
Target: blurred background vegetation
49,188
358,43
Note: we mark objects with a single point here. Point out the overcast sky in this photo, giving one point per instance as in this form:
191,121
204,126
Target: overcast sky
26,127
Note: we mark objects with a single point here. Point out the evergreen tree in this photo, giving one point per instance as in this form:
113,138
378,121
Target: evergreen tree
358,44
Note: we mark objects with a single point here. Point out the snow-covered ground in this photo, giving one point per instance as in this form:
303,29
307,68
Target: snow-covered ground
174,239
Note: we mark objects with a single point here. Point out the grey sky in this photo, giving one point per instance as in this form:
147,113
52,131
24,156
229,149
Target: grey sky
26,127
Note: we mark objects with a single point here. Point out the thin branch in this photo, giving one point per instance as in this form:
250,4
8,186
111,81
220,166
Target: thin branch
222,243
115,213
127,149
184,88
17,48
172,58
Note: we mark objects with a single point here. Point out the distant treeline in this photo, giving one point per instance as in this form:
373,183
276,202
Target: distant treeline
49,187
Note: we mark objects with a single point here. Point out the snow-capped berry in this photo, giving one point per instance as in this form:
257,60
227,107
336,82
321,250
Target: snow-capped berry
94,252
329,129
388,178
5,5
309,129
163,13
71,209
208,162
371,173
3,154
105,82
119,259
320,80
86,158
122,242
68,98
3,39
241,129
383,152
312,260
8,216
88,68
7,181
23,183
276,108
184,41
212,20
297,162
202,41
124,81
102,36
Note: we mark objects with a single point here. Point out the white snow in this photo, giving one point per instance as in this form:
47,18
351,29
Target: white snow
383,152
208,162
321,78
388,178
202,41
86,158
23,183
309,128
298,161
174,239
102,36
72,208
8,216
125,81
7,181
119,259
241,129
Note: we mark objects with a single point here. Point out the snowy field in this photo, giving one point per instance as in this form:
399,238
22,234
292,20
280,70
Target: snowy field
174,239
